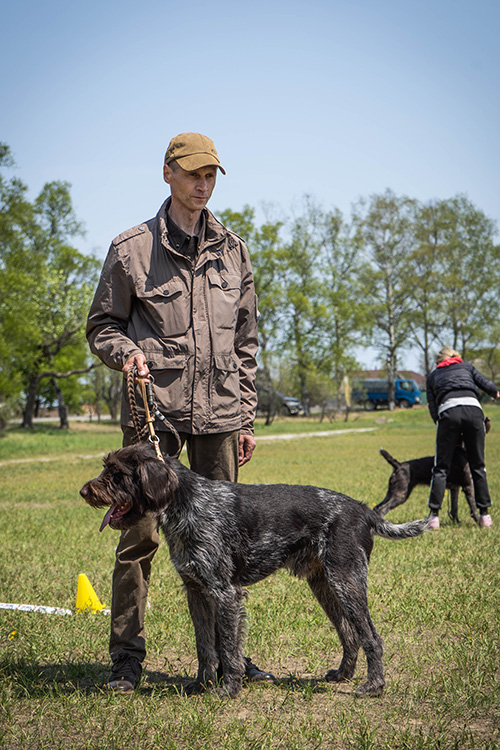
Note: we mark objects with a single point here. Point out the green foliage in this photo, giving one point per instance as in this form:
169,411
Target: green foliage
399,273
264,245
386,226
469,273
428,320
311,310
47,286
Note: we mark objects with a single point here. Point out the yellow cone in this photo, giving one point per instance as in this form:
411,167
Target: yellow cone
86,597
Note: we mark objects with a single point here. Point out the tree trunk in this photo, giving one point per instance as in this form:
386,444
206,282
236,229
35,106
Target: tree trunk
29,409
61,405
391,377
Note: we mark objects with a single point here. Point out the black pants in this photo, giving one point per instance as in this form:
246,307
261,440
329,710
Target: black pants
460,423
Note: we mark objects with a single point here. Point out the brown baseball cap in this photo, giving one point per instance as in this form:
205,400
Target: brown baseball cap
192,151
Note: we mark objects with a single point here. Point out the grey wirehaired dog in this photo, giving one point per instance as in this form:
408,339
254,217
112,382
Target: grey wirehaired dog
406,475
224,536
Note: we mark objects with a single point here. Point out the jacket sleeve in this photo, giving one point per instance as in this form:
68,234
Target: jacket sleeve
431,399
109,314
486,385
246,344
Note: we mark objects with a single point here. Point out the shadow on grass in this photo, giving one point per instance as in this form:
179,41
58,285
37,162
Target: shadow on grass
33,680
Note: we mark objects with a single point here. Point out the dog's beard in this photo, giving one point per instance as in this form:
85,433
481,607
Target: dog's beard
134,483
102,492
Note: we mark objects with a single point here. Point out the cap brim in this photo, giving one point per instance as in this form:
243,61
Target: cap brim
197,161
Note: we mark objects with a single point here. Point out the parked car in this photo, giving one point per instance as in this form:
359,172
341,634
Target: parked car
372,393
277,402
292,405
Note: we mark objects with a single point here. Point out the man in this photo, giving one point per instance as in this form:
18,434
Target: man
176,299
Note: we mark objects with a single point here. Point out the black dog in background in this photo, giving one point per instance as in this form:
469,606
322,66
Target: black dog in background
224,536
406,475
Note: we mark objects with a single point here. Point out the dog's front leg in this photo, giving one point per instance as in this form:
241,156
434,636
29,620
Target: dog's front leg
230,617
202,611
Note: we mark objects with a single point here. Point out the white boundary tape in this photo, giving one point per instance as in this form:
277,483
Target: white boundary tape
44,610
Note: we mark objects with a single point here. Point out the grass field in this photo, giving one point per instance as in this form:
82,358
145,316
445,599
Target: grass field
435,601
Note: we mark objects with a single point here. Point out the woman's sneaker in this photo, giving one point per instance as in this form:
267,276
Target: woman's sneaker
433,522
485,521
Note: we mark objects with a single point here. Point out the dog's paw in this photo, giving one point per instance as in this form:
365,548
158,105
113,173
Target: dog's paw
335,675
223,688
229,687
226,691
194,687
370,690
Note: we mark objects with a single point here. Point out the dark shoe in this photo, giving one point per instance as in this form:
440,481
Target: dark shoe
125,674
254,674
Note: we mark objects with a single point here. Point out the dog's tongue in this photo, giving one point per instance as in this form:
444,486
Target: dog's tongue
107,518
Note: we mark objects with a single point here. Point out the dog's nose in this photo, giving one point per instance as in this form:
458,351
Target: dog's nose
84,491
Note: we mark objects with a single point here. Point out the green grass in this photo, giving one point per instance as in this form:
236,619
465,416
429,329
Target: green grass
435,601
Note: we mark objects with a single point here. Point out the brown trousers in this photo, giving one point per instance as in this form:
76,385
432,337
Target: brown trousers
214,456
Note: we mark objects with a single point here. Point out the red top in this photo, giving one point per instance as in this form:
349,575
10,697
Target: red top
450,361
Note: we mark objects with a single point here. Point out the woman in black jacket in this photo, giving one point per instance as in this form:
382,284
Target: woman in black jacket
453,400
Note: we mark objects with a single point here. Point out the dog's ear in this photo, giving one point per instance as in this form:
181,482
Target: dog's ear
159,482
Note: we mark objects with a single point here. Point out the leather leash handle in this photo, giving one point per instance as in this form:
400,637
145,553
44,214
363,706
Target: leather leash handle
144,382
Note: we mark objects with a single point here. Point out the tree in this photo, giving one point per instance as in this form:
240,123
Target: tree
386,227
303,313
15,217
309,301
487,357
423,282
105,385
264,245
340,266
469,274
47,288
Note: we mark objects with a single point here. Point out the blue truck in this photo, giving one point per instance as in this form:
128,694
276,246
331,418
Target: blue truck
372,393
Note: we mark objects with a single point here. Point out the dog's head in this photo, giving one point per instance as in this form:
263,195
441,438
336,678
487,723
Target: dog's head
133,483
399,484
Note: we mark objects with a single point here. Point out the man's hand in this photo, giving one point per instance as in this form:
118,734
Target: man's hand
246,448
139,361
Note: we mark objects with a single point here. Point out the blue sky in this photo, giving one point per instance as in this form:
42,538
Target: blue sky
335,99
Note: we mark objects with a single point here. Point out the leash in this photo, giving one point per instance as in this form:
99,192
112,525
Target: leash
151,412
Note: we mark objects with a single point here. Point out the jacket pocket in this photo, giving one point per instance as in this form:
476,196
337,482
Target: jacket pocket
224,292
171,386
226,386
164,309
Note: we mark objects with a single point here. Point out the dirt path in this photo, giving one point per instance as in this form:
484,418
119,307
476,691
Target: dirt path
260,439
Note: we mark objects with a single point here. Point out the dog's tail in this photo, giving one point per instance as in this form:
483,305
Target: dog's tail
389,530
390,459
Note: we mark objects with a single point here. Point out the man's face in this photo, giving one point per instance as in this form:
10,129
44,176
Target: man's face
191,190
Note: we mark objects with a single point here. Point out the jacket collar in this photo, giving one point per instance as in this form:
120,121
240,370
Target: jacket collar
214,230
450,361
